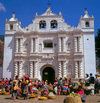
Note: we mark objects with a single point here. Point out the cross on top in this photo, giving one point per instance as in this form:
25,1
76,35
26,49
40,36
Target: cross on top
85,9
49,3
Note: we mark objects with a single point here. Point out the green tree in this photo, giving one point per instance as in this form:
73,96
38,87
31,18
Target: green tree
97,44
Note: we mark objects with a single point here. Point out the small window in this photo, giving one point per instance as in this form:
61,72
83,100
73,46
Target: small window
54,24
11,27
48,44
87,24
42,24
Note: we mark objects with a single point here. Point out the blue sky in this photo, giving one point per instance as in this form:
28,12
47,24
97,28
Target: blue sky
71,10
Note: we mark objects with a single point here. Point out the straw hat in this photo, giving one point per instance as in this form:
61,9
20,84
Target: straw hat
14,81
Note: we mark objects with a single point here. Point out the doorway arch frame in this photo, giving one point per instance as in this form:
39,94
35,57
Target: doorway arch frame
44,66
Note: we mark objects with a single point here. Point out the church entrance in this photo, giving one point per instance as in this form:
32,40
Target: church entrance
48,74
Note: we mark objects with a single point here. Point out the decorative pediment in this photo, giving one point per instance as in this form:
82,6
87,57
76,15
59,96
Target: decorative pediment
56,23
48,13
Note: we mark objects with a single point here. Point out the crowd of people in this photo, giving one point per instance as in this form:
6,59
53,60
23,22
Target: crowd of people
25,86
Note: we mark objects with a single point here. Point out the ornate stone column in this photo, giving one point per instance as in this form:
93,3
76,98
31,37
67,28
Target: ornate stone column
36,44
20,69
80,44
64,69
31,45
59,44
76,69
16,69
64,44
35,69
16,45
75,42
31,69
81,70
60,70
21,45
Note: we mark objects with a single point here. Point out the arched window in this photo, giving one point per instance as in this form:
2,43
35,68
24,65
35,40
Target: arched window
11,26
87,24
42,24
54,24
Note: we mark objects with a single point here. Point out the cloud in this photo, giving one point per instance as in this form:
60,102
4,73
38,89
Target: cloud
2,8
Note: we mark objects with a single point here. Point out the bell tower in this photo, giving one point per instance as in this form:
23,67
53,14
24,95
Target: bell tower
86,24
12,25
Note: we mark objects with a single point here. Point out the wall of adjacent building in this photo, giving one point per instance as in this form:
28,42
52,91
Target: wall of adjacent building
89,54
8,57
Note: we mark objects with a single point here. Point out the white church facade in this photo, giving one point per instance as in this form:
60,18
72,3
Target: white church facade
49,48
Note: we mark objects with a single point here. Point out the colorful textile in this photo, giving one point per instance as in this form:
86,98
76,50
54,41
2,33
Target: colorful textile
25,91
65,88
80,92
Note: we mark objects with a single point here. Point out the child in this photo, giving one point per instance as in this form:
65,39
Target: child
19,92
59,89
65,89
15,88
44,92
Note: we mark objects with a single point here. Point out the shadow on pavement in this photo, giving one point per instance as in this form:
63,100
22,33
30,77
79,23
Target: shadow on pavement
8,98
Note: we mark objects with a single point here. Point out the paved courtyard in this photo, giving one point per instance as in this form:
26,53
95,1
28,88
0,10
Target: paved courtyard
7,99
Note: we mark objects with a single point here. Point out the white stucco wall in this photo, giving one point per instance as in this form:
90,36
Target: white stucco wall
89,54
8,57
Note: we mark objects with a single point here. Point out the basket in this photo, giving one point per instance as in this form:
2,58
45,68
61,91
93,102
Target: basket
38,92
32,96
73,99
7,93
43,98
3,92
52,97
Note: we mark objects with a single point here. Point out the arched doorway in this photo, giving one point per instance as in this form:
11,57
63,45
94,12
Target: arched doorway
48,74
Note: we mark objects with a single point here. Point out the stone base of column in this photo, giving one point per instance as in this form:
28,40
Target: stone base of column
35,70
81,70
60,70
31,70
15,68
76,70
64,70
20,69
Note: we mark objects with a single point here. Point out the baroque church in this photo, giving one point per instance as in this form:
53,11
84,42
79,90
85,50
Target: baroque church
49,48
